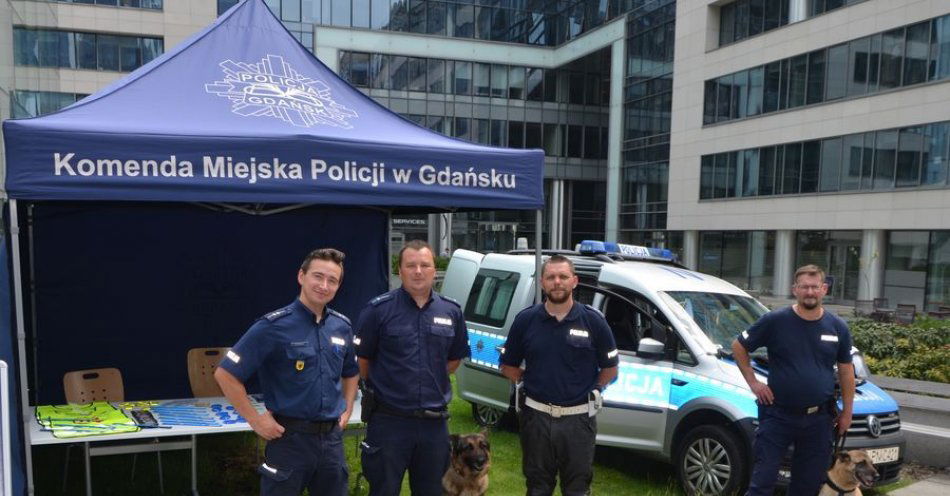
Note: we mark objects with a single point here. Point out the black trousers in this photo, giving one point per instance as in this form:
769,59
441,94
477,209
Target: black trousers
395,445
297,460
557,447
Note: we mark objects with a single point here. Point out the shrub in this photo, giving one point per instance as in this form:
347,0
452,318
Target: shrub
441,263
919,351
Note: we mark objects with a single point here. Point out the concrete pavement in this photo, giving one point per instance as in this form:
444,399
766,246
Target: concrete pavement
937,485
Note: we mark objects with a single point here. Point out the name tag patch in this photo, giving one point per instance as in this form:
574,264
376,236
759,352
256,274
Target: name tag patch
337,341
442,321
829,338
234,357
578,332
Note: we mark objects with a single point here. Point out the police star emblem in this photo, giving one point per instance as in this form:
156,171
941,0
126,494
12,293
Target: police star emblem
299,365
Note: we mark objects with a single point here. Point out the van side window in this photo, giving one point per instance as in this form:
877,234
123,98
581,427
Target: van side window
490,297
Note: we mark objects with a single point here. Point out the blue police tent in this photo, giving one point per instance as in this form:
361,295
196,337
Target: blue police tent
170,209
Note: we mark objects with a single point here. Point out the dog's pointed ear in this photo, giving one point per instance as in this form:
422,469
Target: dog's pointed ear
454,442
844,457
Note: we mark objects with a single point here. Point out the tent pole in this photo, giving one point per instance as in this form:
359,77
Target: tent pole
539,218
389,249
21,342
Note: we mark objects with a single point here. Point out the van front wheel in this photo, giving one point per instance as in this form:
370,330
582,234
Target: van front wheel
709,461
487,416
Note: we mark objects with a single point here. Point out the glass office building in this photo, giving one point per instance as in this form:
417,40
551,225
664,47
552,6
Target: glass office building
748,136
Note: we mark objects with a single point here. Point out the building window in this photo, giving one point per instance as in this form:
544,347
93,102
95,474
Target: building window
744,18
878,160
744,258
900,57
25,103
138,4
74,50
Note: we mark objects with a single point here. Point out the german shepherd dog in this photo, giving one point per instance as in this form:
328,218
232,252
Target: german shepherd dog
852,470
468,469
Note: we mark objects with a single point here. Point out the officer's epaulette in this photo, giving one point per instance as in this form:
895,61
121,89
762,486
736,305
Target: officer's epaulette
596,310
381,298
340,315
276,314
450,299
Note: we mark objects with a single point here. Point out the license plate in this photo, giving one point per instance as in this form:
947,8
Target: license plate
884,455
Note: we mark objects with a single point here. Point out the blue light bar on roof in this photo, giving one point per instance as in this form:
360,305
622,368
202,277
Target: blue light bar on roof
594,247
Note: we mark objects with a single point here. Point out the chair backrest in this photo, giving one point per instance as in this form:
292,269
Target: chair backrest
86,386
944,308
863,307
905,314
201,365
880,303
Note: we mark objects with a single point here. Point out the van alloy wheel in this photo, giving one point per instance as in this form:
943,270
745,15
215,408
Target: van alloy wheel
707,466
487,416
709,461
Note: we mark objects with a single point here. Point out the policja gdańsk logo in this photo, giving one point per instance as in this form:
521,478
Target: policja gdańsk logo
272,88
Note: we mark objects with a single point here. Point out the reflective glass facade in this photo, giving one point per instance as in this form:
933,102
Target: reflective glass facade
81,50
535,22
24,103
578,133
917,269
744,18
648,96
744,258
896,58
880,160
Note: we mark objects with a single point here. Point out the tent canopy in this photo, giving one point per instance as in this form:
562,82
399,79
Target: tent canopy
242,112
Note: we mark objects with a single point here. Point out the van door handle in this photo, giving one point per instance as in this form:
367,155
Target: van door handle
677,382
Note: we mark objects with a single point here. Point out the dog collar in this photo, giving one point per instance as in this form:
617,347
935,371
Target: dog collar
834,487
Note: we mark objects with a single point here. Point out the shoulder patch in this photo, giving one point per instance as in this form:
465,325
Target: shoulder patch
340,315
598,312
381,298
451,300
276,314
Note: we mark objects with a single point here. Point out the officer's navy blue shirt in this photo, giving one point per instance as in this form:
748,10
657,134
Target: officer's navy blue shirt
802,354
562,359
298,361
410,347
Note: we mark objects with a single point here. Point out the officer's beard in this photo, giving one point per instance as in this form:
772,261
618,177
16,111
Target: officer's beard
557,300
809,304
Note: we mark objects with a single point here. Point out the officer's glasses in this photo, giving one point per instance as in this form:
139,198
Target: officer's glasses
807,288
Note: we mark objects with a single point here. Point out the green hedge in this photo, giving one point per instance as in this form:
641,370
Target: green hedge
440,263
919,351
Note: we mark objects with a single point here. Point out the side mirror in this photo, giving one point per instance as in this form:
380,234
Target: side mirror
650,348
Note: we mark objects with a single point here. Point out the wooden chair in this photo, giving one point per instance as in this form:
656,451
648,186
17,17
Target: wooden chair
905,314
201,365
880,303
85,386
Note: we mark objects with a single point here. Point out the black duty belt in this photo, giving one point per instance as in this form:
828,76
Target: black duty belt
435,414
306,426
807,410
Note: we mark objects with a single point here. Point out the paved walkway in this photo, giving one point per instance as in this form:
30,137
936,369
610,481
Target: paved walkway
938,485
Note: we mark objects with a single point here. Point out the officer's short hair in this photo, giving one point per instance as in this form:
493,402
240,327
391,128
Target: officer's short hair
328,254
810,270
557,259
418,245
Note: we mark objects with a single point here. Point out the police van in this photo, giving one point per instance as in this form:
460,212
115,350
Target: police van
679,395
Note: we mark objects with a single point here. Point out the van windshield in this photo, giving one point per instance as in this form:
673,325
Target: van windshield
721,316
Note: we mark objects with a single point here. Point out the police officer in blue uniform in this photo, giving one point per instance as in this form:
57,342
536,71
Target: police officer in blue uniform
797,406
570,357
408,342
304,357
